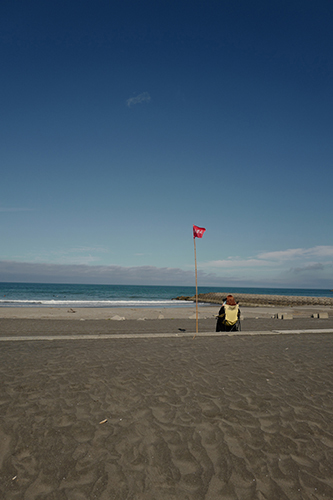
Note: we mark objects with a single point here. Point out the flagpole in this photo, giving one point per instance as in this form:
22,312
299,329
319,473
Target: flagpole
197,233
196,289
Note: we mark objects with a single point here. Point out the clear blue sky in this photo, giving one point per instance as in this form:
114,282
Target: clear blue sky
123,123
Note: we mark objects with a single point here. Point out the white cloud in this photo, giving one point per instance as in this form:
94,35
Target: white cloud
236,263
321,251
301,268
274,259
282,254
296,267
295,253
301,277
144,97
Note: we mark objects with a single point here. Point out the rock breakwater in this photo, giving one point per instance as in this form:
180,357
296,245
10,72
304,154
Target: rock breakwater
247,299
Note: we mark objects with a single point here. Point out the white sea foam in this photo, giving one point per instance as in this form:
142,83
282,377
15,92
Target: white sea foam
93,303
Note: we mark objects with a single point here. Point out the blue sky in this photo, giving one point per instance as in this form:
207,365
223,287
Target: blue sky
124,123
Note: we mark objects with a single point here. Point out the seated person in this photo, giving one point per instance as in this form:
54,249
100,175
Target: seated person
229,314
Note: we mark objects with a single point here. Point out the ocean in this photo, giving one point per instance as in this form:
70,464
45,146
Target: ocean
69,295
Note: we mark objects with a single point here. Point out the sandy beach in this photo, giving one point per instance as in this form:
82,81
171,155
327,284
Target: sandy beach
173,417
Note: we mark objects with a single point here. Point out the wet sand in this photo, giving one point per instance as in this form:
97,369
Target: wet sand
237,418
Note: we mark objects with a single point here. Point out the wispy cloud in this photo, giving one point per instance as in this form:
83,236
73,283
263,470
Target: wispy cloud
322,251
144,97
295,253
276,258
300,267
310,275
283,255
233,262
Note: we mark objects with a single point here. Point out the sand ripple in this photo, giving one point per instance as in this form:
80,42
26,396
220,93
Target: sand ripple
233,418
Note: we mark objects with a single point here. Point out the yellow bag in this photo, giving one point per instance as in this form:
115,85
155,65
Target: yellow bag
231,314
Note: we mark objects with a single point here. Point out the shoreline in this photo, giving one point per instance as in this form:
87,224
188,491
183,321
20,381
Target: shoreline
144,320
142,314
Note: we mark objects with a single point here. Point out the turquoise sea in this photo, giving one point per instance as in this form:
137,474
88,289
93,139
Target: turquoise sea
58,295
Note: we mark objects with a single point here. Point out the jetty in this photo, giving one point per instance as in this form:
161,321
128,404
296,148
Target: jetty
256,300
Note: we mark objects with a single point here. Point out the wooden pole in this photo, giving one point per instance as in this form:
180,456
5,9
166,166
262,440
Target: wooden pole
196,290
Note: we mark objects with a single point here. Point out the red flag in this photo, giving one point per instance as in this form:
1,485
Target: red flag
198,231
